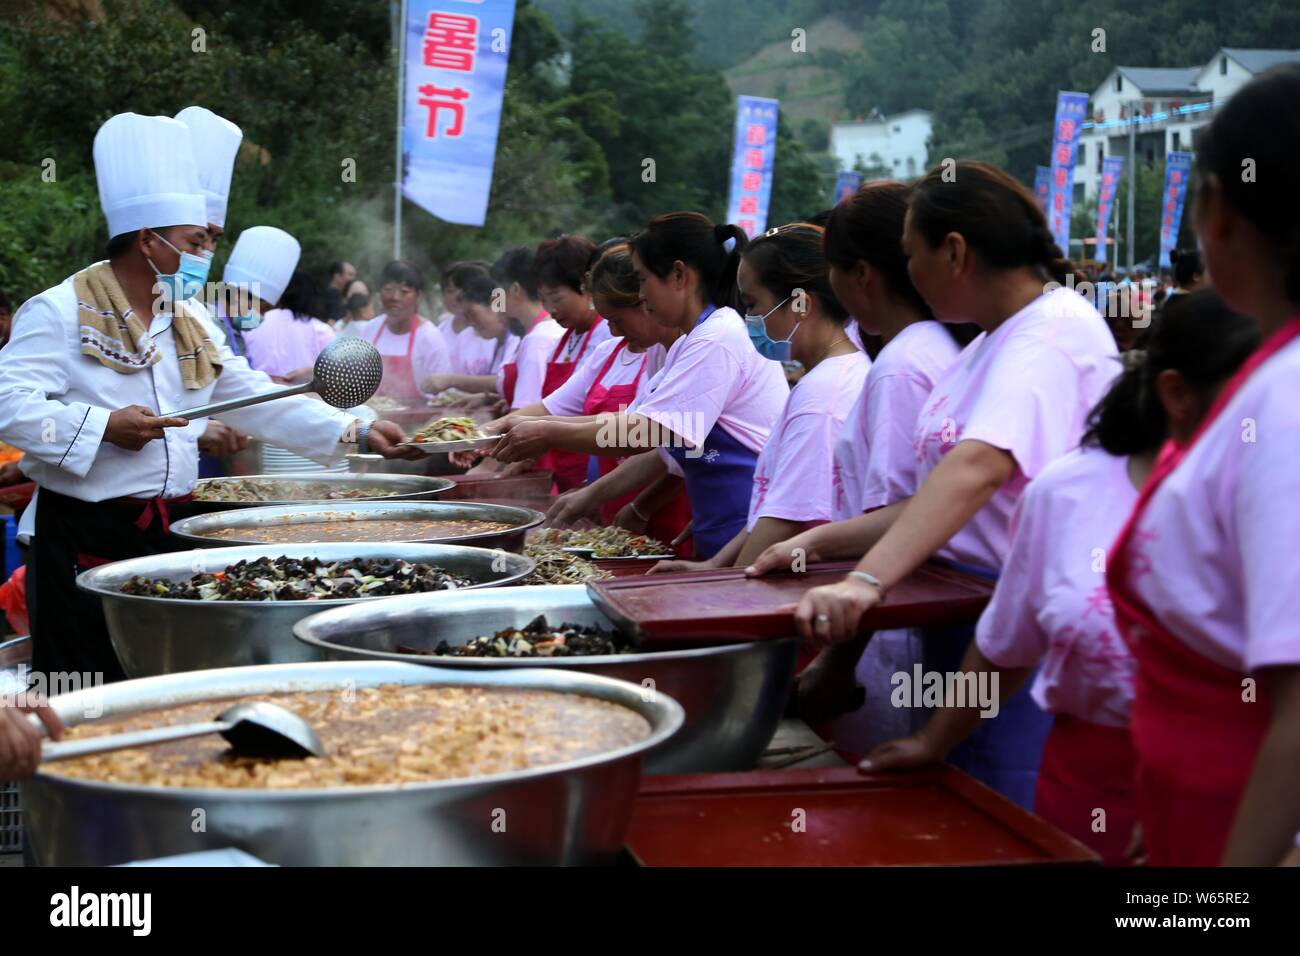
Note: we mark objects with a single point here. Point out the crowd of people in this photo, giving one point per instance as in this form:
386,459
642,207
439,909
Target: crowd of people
1129,484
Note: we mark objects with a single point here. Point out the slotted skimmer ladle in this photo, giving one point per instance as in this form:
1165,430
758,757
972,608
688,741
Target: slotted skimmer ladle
347,373
258,729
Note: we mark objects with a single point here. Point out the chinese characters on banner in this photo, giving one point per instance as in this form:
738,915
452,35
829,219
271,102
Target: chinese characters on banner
1112,168
752,162
1070,109
846,184
1042,185
456,55
1178,167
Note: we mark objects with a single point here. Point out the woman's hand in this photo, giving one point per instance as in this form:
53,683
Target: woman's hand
528,439
221,440
502,425
680,567
570,507
386,438
905,753
467,459
135,426
20,742
833,613
628,519
435,384
789,555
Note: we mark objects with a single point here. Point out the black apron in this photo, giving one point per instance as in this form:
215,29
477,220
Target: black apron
70,634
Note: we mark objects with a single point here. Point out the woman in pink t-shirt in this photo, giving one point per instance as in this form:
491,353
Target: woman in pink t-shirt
1051,611
788,302
290,337
1017,398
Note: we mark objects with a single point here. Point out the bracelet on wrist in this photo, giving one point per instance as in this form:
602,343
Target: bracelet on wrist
871,579
637,511
363,437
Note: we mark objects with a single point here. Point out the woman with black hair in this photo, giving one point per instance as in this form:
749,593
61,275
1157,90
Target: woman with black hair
288,339
792,313
412,348
1204,580
1014,400
1050,611
520,380
1188,270
711,408
468,352
494,328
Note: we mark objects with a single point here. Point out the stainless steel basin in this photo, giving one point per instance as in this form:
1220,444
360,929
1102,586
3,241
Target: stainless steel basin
733,695
197,529
570,813
157,635
397,488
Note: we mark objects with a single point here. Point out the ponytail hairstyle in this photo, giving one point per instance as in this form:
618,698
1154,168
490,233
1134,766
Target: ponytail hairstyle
1197,336
613,278
692,238
792,258
1261,122
998,217
563,261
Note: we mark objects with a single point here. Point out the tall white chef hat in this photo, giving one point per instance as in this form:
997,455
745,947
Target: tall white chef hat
146,174
216,141
266,256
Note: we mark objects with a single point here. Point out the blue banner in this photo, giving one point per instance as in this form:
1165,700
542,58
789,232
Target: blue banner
846,184
752,160
1178,168
1042,185
1112,168
1070,110
456,56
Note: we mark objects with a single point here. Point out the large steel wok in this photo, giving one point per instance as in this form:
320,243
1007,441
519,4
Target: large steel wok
568,813
733,695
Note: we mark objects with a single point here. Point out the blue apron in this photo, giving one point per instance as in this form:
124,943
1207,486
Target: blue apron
1004,753
719,481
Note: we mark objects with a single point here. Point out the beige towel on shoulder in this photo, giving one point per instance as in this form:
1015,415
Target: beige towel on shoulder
113,335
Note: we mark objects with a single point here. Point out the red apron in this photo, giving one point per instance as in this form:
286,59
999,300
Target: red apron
666,523
1087,767
1195,739
399,377
510,371
569,467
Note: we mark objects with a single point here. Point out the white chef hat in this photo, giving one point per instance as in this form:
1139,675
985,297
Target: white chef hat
264,258
146,174
216,141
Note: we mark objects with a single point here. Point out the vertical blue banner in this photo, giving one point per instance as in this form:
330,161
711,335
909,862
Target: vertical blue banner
1070,109
1178,168
1042,185
1112,168
456,57
846,184
752,160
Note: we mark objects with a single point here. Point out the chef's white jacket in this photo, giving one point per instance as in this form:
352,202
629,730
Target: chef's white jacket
55,403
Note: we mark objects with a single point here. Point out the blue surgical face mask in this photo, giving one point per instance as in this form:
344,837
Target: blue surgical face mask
190,277
756,325
246,323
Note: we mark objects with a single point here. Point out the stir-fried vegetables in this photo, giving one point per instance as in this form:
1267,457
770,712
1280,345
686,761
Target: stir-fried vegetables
538,639
448,429
279,489
557,566
603,542
302,579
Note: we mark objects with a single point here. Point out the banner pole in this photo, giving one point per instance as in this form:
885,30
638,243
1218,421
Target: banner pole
401,102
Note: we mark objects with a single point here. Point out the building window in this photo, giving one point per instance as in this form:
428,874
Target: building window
1119,83
898,129
1223,66
1101,159
1178,143
1083,153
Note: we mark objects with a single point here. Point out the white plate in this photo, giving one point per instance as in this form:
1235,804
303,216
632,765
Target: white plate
442,447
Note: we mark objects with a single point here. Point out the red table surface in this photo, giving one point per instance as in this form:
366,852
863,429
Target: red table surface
839,817
709,606
477,487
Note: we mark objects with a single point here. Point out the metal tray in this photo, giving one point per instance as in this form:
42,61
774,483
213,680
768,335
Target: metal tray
401,488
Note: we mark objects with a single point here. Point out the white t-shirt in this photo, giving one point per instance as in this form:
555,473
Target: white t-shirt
714,376
428,353
1026,388
1051,604
1214,552
570,398
793,479
475,355
532,357
874,464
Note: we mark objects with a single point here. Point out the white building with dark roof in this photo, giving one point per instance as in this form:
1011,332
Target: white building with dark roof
1170,104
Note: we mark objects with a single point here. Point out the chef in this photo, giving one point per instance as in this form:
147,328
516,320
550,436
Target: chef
92,363
257,272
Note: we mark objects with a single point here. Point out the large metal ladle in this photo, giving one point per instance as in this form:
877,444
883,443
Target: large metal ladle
347,373
258,729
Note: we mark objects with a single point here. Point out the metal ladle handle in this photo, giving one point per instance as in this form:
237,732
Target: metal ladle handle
68,749
216,408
